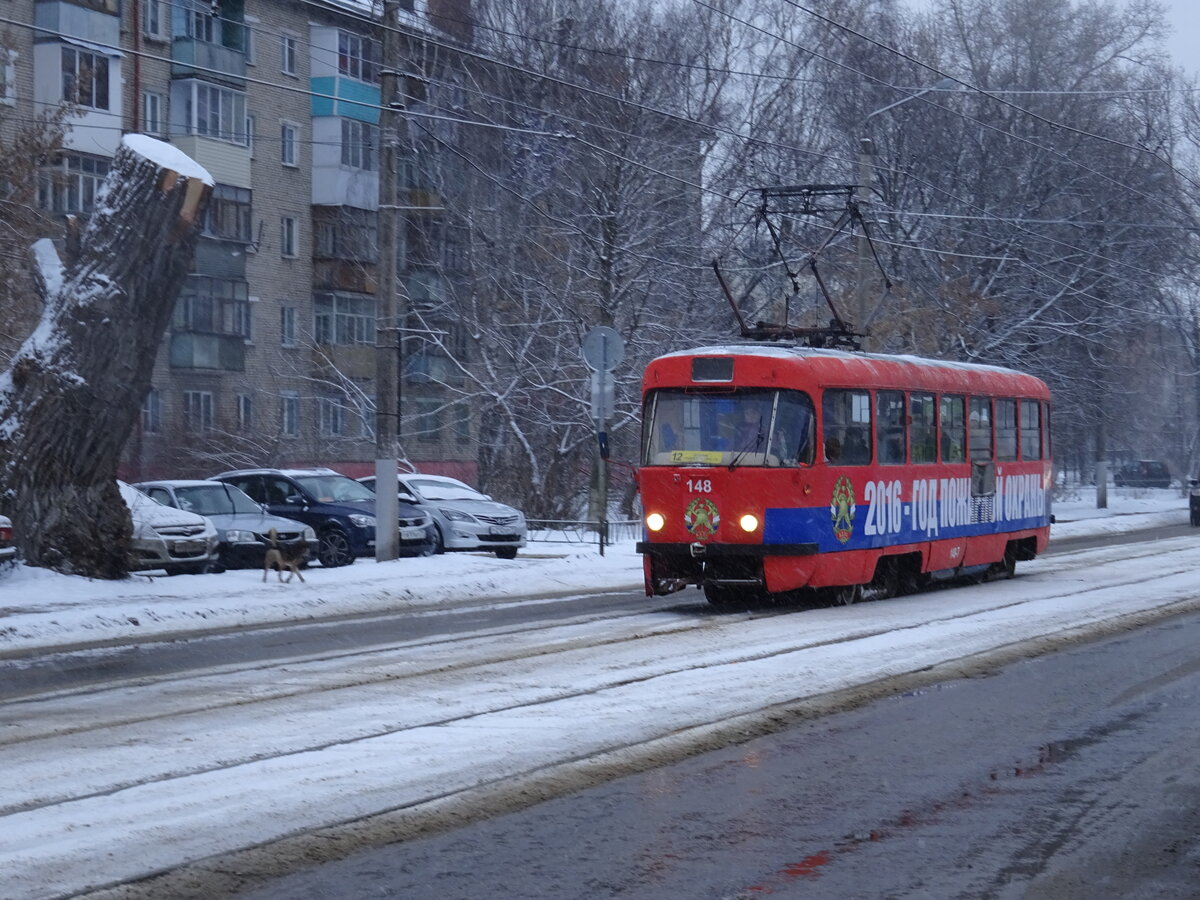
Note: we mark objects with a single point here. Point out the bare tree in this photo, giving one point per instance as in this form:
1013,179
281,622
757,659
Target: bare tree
70,398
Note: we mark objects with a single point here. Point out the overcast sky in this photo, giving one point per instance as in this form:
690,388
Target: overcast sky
1185,43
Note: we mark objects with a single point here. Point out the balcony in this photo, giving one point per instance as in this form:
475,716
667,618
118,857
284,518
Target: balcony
194,350
194,58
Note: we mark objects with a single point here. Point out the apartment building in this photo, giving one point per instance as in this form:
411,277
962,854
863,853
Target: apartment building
270,355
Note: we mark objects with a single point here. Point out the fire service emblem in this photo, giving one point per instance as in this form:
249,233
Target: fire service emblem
701,518
842,509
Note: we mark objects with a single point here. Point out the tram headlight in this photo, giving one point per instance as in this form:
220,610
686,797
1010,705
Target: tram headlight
749,522
655,521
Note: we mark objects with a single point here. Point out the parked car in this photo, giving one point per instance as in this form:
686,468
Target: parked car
8,550
464,518
339,509
172,539
1143,473
242,525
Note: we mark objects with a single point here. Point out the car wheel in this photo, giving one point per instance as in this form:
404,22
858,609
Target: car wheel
506,552
334,548
439,545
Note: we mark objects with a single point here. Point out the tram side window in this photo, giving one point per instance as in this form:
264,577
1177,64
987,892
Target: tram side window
1047,441
847,427
889,427
922,429
981,430
953,430
1031,430
1006,430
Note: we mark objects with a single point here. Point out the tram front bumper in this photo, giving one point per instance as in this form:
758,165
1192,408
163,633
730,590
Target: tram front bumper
699,550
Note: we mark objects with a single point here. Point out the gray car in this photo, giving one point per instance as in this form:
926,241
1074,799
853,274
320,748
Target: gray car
178,541
464,518
242,525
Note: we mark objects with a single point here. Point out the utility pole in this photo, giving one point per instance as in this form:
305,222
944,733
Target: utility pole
862,196
389,312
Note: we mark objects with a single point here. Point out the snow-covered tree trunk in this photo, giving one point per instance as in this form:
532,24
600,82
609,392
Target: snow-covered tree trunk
76,386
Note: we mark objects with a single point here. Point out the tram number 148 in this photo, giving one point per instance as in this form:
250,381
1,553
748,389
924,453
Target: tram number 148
884,509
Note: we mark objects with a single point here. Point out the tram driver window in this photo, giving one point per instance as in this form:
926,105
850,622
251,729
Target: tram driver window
792,433
953,429
847,427
889,427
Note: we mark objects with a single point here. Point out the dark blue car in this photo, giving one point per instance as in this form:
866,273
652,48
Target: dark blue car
339,509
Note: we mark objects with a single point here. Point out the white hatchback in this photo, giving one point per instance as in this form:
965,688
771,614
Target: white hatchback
464,518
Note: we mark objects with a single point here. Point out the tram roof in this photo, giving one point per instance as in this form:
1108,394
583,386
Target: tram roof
885,369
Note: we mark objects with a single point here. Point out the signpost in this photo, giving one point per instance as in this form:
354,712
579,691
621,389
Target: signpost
603,350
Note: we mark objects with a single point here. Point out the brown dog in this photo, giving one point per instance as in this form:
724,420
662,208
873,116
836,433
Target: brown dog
280,558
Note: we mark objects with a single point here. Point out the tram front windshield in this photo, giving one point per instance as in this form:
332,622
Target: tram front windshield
750,427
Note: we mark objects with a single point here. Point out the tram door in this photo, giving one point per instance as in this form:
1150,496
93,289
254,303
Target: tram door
983,465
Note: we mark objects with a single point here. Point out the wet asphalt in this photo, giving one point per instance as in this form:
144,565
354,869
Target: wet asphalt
1072,775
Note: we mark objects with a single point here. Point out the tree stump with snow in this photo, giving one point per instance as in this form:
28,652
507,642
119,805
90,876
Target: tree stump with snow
76,387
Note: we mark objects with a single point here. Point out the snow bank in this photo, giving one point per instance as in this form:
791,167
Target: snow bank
41,609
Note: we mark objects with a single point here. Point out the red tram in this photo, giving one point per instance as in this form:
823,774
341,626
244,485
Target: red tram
767,468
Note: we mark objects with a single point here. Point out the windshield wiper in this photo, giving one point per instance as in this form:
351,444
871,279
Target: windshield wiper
752,448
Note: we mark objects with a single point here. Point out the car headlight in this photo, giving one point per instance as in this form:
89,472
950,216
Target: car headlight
144,532
455,515
309,534
233,536
362,521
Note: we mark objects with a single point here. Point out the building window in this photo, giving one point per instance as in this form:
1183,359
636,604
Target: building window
332,413
153,105
8,77
289,151
289,237
344,319
228,214
85,78
152,413
346,233
289,413
287,54
71,185
245,413
197,411
358,57
287,326
213,306
154,19
250,36
213,111
359,143
427,423
462,422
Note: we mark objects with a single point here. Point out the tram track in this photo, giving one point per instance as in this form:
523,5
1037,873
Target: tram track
301,691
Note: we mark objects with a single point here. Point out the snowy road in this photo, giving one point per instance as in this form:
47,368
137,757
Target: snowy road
310,757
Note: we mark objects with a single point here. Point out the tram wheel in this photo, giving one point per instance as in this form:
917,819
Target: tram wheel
846,595
885,584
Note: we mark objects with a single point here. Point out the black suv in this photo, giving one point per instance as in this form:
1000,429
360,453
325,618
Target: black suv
339,509
1143,473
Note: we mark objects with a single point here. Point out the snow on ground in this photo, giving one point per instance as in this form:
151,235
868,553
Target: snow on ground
97,794
40,609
